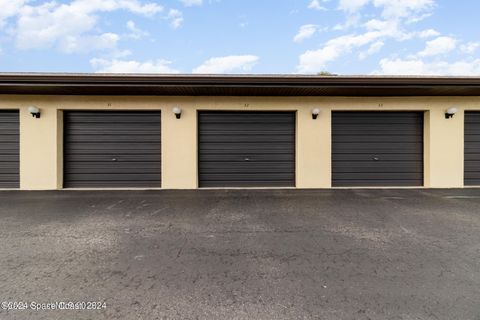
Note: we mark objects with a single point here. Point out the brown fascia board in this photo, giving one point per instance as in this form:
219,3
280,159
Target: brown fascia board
283,85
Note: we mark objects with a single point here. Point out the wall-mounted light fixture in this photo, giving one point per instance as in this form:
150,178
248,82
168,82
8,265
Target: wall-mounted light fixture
315,113
34,111
177,111
450,112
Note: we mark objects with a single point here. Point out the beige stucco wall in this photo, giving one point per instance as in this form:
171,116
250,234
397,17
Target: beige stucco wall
41,151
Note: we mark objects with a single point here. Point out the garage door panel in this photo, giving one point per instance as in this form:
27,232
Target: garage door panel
378,183
8,170
472,135
114,170
244,127
110,164
12,139
117,117
9,181
247,172
473,117
128,183
472,148
271,157
265,118
472,142
473,145
101,177
240,149
9,117
472,173
473,182
384,176
346,151
106,158
386,157
118,154
348,138
377,148
112,149
380,125
380,167
272,152
251,178
245,184
10,157
120,130
246,147
9,149
367,146
243,164
108,138
471,158
245,138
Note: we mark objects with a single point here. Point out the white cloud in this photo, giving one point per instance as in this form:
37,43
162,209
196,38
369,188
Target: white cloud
413,10
305,32
135,32
316,5
118,54
374,48
316,60
389,25
470,47
10,8
387,28
428,33
190,3
352,6
176,18
419,67
440,45
228,64
134,6
106,41
410,9
67,26
131,66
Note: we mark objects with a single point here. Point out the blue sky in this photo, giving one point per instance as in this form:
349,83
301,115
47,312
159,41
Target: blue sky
399,37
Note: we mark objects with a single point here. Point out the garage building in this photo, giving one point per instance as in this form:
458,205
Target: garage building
76,131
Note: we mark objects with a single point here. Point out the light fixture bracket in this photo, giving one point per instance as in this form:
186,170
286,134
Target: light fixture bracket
450,112
449,115
34,111
177,112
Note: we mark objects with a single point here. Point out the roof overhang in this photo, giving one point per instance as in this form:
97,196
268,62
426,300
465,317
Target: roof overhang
235,85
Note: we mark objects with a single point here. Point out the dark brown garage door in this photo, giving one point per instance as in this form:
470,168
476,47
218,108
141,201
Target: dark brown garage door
9,149
246,149
472,148
377,149
112,149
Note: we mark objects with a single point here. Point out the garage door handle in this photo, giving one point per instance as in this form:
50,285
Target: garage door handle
376,159
114,159
247,159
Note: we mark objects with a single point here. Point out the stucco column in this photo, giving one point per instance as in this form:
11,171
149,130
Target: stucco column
40,149
179,149
314,149
444,140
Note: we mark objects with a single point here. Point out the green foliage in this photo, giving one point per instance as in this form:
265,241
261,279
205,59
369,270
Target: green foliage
326,74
